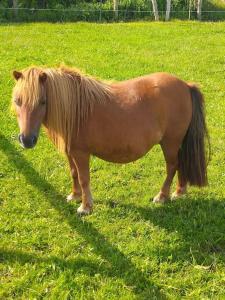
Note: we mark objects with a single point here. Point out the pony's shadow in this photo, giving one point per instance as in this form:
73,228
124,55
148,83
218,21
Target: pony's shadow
199,224
118,264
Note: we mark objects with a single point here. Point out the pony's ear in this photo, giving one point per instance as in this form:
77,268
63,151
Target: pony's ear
78,77
17,75
42,77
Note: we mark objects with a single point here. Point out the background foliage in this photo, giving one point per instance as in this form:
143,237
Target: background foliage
76,10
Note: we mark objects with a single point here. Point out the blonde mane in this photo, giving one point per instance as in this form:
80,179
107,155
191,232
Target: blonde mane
71,97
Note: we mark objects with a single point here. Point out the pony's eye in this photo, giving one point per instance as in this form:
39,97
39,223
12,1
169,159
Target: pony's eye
43,102
18,102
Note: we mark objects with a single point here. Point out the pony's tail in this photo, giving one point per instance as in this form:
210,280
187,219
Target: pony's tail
192,161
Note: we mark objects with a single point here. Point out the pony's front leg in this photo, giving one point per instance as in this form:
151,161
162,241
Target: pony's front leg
76,189
82,163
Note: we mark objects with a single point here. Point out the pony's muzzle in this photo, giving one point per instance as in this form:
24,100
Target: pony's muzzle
27,141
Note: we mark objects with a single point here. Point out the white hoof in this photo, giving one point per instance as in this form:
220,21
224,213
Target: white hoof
160,198
176,196
72,197
84,210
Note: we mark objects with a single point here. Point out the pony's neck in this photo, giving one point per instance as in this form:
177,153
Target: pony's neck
71,98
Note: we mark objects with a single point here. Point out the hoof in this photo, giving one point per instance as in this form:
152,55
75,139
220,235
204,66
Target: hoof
160,198
176,195
83,211
72,197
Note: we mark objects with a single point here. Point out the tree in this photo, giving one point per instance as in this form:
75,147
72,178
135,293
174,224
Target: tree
15,7
115,8
168,7
199,9
155,10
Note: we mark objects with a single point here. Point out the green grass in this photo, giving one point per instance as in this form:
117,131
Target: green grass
128,248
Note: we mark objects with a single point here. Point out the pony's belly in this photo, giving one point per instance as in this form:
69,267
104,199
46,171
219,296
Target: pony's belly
125,149
121,155
119,158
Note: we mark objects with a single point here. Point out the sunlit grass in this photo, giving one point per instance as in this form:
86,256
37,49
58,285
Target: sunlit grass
128,248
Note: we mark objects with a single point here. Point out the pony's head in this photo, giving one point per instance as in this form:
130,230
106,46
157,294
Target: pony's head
60,98
29,102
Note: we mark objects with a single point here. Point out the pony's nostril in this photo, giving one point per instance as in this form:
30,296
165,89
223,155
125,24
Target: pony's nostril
34,140
20,138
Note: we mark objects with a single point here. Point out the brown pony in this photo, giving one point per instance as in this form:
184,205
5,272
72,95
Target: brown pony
118,122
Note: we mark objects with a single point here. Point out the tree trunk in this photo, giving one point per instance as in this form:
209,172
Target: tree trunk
155,10
189,10
115,8
199,9
168,7
15,7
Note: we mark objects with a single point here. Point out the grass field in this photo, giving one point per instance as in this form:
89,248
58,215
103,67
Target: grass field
128,248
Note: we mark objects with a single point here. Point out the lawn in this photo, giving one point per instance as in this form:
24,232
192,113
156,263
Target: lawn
129,248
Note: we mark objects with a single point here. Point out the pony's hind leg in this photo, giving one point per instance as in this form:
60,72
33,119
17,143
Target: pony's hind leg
76,189
181,188
170,151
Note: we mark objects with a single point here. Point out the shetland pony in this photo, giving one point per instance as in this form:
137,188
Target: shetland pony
118,122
